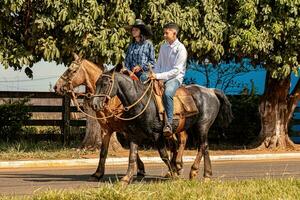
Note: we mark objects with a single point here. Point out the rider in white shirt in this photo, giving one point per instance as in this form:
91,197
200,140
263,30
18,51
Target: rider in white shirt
170,67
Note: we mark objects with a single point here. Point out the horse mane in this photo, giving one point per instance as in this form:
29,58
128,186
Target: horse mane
136,84
100,65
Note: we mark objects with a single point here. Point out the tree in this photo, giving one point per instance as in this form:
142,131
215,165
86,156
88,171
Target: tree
51,30
265,31
222,76
32,30
268,33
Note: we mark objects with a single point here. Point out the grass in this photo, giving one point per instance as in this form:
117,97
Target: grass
184,189
25,149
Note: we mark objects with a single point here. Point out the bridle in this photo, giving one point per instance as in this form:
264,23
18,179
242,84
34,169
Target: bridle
107,94
107,97
68,87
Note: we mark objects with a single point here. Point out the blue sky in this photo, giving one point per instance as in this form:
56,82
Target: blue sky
44,74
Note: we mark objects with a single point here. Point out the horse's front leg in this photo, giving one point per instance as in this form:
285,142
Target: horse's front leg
132,163
161,146
102,158
140,165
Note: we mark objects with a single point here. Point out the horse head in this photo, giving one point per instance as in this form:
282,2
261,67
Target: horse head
105,90
80,72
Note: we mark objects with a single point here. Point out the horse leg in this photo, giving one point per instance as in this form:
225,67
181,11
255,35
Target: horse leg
202,149
161,146
207,163
173,156
140,165
132,163
182,142
103,154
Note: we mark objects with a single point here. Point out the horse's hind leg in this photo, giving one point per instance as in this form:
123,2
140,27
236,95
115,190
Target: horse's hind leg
207,163
182,142
140,166
202,151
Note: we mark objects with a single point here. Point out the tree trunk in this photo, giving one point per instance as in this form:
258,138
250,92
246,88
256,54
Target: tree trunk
276,109
92,139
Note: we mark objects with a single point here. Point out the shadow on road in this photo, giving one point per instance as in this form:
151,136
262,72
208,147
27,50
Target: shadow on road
108,178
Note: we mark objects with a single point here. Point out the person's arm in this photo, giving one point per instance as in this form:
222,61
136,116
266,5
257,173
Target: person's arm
178,67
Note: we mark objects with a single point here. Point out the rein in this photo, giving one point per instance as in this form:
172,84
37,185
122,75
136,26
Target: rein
127,108
114,114
73,96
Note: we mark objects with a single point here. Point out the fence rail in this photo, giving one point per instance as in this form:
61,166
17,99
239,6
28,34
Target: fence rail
65,109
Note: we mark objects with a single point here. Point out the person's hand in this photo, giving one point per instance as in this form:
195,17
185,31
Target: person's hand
152,76
124,70
136,69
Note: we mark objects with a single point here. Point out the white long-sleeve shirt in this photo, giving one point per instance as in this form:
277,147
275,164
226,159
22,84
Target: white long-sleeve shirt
171,61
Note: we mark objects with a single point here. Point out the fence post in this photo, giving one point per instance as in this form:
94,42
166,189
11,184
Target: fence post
66,119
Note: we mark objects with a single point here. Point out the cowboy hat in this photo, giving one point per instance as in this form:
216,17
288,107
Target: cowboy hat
145,30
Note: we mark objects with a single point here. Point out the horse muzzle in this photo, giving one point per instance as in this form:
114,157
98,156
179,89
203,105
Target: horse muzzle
98,103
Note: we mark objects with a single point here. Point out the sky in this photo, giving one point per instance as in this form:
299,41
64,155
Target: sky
44,75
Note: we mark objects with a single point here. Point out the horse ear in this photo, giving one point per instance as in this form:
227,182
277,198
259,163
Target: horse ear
76,57
108,67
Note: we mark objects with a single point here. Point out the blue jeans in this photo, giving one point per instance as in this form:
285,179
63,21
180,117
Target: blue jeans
170,89
143,77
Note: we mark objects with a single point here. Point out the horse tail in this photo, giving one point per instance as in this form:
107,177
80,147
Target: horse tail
225,113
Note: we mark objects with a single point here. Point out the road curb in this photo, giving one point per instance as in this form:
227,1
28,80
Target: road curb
124,160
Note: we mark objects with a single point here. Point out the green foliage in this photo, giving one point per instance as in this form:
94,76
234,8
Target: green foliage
13,114
245,126
265,31
52,29
268,32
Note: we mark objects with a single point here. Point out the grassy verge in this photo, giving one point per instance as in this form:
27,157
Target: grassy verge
184,189
23,150
26,149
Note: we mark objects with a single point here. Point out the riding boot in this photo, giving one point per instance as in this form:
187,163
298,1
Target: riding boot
167,130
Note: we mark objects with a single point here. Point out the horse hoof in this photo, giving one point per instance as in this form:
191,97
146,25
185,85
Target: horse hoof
171,175
168,175
95,178
179,172
141,174
193,175
207,179
125,180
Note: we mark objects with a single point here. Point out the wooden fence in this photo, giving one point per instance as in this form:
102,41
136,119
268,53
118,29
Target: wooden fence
65,109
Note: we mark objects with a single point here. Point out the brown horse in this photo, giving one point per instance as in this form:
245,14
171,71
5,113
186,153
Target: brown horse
84,72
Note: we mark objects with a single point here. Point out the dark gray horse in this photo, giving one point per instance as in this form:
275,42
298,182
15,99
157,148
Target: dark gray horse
212,105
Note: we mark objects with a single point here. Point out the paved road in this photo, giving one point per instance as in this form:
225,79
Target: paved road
29,181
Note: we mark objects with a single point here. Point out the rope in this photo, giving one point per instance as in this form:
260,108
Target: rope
132,105
78,108
127,108
148,102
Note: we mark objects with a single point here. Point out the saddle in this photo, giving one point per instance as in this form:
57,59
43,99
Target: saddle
184,105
